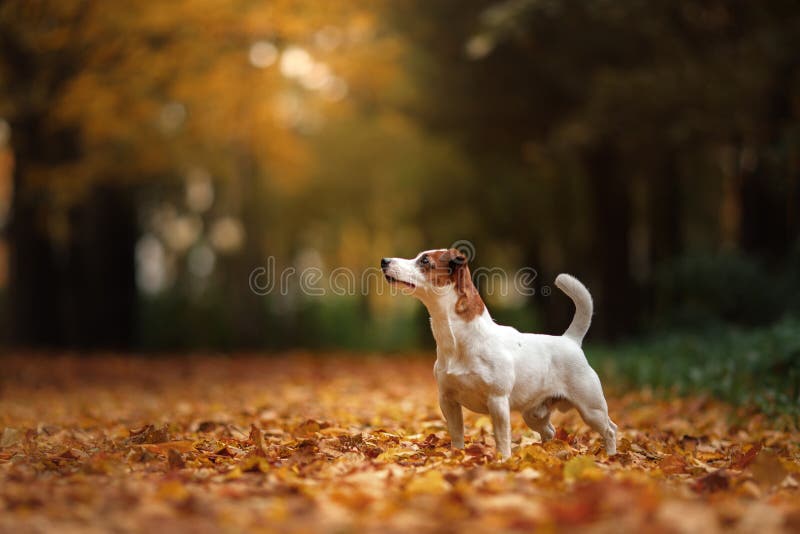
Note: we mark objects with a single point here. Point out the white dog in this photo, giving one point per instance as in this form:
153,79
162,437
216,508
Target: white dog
489,368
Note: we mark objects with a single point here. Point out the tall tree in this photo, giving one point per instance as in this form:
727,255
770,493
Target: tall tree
105,99
637,100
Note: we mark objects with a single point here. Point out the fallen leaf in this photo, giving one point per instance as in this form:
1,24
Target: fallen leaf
74,454
767,468
308,428
428,482
746,458
11,436
207,426
562,434
178,445
479,450
257,437
582,468
173,491
149,434
175,460
712,482
672,464
253,464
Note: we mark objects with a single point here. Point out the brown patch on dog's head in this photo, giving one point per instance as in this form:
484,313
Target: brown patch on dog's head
435,265
449,266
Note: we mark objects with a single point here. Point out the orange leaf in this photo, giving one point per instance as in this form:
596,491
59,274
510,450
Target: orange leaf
673,464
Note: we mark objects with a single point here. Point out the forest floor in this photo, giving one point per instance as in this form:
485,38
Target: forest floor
310,444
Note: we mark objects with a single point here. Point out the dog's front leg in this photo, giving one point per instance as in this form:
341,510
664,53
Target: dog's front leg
499,411
455,420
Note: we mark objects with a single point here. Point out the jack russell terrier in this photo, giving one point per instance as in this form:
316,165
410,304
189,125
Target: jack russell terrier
493,369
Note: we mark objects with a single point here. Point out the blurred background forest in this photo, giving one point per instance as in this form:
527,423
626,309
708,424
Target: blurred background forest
153,154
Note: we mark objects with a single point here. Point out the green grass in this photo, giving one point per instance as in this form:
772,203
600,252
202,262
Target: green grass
756,368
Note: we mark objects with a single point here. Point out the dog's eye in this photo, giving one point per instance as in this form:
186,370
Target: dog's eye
424,260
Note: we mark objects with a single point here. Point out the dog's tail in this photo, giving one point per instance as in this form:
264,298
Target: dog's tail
583,306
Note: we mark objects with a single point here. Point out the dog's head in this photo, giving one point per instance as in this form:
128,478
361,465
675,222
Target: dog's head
434,275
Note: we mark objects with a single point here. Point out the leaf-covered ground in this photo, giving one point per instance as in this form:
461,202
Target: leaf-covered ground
298,443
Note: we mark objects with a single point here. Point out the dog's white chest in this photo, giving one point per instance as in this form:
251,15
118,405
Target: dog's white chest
466,386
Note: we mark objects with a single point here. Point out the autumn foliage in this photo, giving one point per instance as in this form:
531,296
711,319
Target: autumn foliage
301,443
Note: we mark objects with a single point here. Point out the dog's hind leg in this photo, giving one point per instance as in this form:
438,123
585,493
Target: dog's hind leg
538,420
599,421
587,397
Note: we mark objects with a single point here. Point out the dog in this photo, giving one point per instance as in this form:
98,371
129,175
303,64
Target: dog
493,369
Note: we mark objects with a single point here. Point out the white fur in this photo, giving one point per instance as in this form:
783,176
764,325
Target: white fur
490,368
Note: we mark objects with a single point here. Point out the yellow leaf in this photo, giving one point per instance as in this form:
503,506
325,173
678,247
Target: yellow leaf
333,431
234,473
254,463
163,448
173,491
582,468
535,455
9,437
396,454
430,482
483,422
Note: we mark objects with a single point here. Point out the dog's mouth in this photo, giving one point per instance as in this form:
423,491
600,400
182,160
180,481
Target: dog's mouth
392,280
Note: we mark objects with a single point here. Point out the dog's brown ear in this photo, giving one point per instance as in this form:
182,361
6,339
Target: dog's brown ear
457,261
459,271
469,303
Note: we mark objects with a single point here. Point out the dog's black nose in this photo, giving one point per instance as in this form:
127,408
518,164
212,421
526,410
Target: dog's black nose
384,262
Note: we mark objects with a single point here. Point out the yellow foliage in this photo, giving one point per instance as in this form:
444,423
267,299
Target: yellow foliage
431,482
582,468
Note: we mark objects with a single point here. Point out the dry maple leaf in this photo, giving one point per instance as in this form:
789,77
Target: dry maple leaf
712,482
257,437
175,460
673,464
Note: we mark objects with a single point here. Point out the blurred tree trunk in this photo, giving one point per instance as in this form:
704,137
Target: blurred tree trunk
664,226
766,227
793,198
249,328
33,276
616,305
98,275
77,290
79,293
664,206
